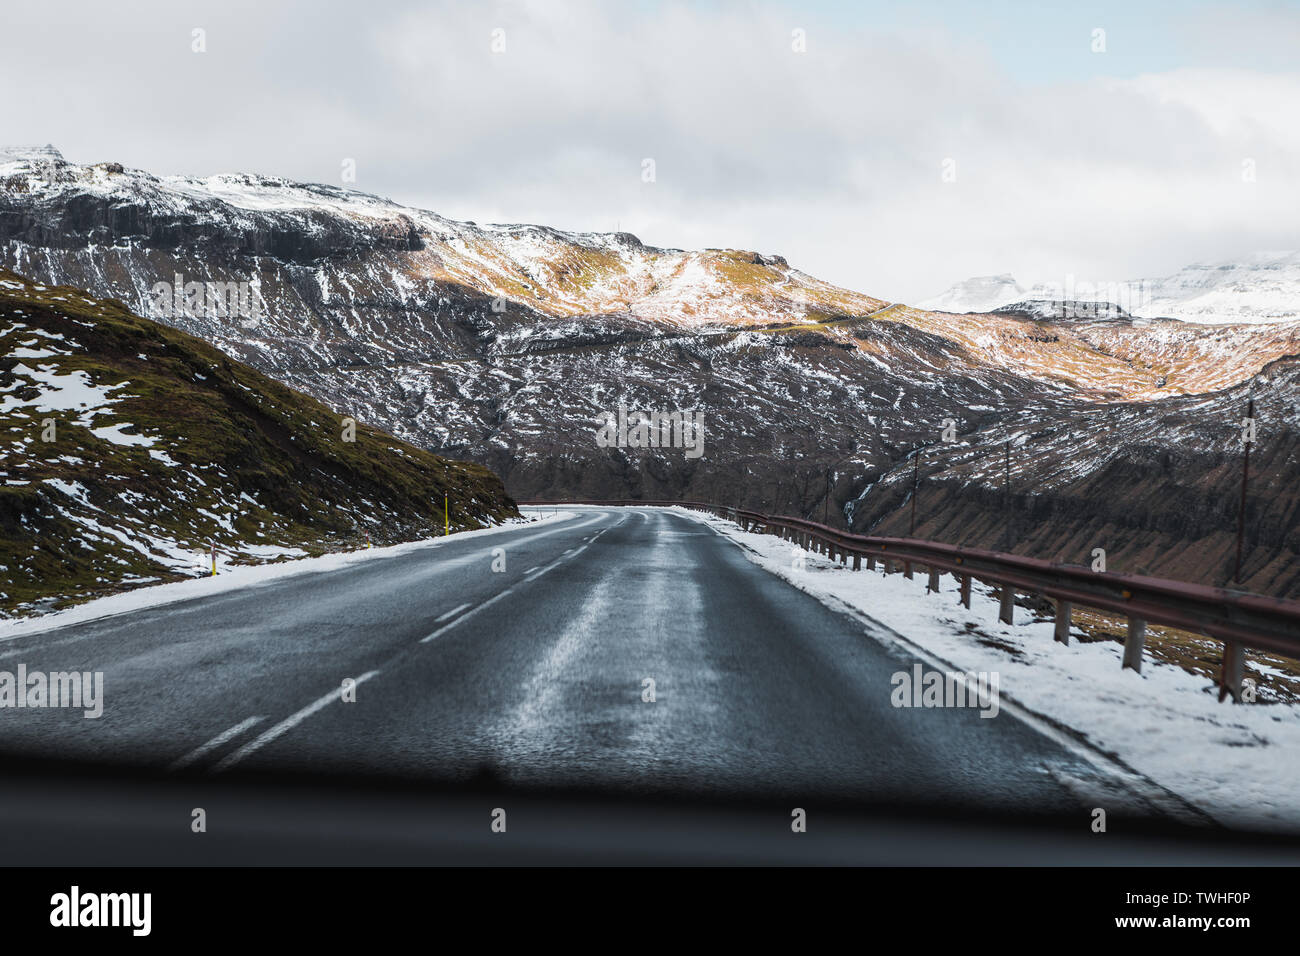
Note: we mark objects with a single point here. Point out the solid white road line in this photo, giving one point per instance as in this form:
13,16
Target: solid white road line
286,725
222,738
452,613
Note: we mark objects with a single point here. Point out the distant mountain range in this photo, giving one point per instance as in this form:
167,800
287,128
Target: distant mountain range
508,345
1264,287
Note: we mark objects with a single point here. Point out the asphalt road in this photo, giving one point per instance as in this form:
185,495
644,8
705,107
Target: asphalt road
535,676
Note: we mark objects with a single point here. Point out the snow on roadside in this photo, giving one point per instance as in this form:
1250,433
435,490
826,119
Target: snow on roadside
238,577
1239,763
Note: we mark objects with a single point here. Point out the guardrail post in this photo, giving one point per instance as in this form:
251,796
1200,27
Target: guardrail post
889,565
871,562
1234,660
844,556
965,591
933,583
857,561
1063,610
1137,635
907,570
1007,610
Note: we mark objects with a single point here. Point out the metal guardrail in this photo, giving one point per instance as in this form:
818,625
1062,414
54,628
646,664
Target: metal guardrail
1238,619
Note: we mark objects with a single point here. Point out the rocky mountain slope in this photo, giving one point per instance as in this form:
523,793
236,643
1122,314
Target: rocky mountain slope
1156,484
508,344
130,448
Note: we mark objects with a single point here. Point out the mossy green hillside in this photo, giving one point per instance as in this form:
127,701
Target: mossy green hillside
128,447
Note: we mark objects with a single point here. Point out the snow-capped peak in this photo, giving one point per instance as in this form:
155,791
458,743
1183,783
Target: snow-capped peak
979,294
1260,287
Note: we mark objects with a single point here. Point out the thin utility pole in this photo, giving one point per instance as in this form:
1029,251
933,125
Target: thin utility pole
1006,497
916,484
1249,427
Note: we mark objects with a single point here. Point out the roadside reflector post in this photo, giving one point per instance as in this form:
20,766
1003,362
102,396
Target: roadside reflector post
1137,635
446,517
965,591
1234,660
214,558
933,583
1063,610
1007,611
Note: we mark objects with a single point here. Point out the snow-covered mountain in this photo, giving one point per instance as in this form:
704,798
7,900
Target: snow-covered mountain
978,294
1264,287
1260,288
543,273
507,345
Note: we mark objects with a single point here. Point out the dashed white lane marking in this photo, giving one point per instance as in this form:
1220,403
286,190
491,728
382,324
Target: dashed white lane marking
556,563
466,616
532,569
286,725
220,739
452,613
497,597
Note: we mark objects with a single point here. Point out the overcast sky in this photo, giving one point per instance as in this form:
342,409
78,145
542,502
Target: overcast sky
1180,142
